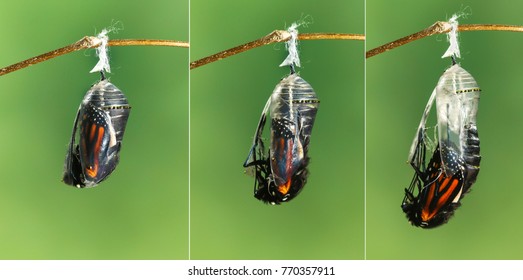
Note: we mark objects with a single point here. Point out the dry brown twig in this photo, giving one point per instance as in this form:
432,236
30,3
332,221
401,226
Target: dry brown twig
439,28
92,42
274,37
89,42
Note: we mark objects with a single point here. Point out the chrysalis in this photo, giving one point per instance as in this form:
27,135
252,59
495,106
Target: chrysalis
282,173
98,129
455,160
457,101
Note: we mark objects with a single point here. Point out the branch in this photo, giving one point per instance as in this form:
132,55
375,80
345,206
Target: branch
439,28
89,42
274,37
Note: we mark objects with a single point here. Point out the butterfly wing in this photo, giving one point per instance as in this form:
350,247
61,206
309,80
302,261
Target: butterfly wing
98,146
73,169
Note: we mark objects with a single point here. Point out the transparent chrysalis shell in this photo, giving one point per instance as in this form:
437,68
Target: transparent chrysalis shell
282,173
94,149
457,99
454,166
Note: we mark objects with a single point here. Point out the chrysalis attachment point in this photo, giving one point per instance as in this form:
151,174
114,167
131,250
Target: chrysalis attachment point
101,52
292,46
452,38
293,70
454,61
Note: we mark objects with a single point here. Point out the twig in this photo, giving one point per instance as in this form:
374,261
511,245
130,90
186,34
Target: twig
148,42
331,36
86,43
439,28
274,37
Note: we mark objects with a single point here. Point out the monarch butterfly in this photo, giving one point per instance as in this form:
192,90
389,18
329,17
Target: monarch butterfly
281,173
454,165
99,125
438,196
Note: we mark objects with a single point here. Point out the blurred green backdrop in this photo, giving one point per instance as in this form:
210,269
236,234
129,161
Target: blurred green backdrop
227,97
399,83
141,211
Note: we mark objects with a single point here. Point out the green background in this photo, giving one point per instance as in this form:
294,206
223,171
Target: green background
488,225
227,97
141,210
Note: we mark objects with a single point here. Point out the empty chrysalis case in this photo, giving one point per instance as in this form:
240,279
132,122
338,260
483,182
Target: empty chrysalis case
457,102
94,149
281,173
455,161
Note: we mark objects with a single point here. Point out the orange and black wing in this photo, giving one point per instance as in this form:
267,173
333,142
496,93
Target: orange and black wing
439,195
98,147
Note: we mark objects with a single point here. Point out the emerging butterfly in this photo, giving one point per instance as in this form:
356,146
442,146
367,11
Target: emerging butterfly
455,162
94,149
281,173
